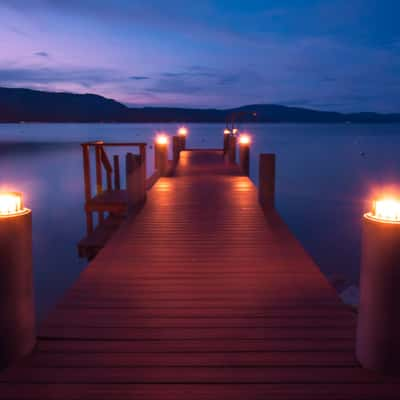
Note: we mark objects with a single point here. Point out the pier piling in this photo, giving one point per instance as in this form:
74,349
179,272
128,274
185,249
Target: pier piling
226,140
117,178
232,148
17,314
378,329
161,155
266,186
176,148
134,180
244,154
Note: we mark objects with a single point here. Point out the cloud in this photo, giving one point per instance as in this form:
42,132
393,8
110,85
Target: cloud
193,80
139,78
85,77
41,54
229,80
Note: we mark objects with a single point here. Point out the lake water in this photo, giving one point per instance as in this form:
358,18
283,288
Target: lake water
326,175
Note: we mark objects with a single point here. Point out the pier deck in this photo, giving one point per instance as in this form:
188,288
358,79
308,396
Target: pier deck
201,296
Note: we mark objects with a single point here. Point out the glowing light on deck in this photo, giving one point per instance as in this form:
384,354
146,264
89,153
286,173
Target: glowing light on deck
385,210
227,131
244,139
11,204
243,185
162,138
163,187
183,131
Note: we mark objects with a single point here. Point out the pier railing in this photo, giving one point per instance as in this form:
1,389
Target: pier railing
103,166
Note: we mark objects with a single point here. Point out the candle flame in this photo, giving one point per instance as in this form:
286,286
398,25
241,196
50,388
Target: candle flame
182,131
387,209
10,203
227,131
244,139
162,138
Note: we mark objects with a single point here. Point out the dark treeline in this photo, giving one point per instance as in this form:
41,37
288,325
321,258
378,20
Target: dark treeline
17,105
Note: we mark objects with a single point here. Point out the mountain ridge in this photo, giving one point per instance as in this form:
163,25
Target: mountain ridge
28,105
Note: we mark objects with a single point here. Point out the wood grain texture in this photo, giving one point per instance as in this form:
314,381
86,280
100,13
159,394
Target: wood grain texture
200,296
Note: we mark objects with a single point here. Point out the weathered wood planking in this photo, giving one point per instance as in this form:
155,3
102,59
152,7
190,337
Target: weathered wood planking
201,296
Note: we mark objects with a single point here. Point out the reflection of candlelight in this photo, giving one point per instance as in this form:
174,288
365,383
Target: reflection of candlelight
17,315
378,326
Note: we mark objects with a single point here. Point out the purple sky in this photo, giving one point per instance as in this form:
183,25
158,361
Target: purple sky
327,54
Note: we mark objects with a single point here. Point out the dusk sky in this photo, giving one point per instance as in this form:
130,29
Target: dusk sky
326,54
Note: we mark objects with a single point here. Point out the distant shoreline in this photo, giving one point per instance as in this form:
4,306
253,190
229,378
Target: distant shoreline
33,106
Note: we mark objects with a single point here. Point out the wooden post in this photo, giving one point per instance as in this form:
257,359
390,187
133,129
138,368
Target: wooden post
232,148
176,148
88,189
161,157
378,326
108,167
266,185
134,180
99,173
99,176
143,160
182,142
244,158
117,177
17,312
226,142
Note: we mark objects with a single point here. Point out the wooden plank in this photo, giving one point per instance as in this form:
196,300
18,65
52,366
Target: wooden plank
234,359
241,333
51,391
207,346
110,320
186,374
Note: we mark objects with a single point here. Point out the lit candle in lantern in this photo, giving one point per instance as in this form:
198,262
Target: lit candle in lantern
161,153
244,153
162,139
17,315
244,139
11,204
227,131
385,210
378,327
235,131
182,131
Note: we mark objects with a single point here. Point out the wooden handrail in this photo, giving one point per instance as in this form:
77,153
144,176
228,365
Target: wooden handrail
88,189
106,161
117,178
108,167
112,172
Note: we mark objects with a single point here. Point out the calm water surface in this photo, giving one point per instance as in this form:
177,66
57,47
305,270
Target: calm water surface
325,173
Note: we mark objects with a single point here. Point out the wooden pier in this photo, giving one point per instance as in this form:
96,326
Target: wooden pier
202,294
